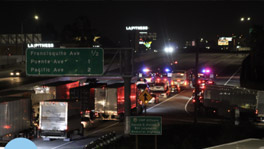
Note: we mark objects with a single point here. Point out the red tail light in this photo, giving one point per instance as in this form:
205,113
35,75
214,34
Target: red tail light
193,100
210,82
256,112
7,126
199,82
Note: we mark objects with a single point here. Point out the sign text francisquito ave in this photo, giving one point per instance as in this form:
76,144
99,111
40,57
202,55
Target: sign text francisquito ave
46,61
65,61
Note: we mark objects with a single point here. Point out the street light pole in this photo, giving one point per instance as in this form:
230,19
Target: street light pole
196,84
36,17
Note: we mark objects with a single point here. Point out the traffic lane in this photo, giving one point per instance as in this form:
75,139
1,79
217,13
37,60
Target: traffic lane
5,72
179,109
13,82
78,142
172,108
235,81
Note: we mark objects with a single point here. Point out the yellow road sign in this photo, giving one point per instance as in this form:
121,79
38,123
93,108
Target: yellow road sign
145,96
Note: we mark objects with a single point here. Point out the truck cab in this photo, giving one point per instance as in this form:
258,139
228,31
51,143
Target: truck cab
180,78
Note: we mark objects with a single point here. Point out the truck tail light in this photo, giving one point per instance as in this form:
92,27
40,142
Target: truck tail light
199,82
7,126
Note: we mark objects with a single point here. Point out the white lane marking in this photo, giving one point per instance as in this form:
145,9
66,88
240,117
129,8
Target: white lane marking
105,128
90,133
187,105
163,101
233,143
232,76
62,145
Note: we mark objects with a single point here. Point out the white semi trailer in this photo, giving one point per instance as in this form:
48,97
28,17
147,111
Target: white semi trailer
59,119
15,118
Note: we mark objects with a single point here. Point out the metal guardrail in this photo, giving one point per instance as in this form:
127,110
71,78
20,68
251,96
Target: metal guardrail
102,141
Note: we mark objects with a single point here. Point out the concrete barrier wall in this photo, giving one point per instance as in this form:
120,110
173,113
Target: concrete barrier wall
13,59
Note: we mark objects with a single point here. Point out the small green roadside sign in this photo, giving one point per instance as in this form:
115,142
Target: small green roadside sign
145,125
64,61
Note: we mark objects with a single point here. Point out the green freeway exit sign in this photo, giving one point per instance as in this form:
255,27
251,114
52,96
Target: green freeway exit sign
145,125
64,61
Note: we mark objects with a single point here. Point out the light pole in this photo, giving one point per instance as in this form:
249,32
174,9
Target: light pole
36,18
246,23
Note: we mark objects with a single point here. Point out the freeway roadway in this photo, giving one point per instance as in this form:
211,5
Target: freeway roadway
174,110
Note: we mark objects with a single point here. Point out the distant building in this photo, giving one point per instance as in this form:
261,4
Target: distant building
202,43
16,44
140,38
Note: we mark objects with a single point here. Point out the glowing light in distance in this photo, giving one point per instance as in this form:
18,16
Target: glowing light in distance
146,70
206,70
167,69
168,49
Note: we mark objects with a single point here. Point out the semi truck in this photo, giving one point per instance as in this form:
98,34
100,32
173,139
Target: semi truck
15,118
110,102
224,100
181,78
59,119
62,88
86,94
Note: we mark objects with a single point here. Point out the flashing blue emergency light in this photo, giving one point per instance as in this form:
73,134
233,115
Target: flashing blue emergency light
167,69
207,70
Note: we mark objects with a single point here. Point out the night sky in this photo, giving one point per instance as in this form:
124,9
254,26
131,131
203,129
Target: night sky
172,19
